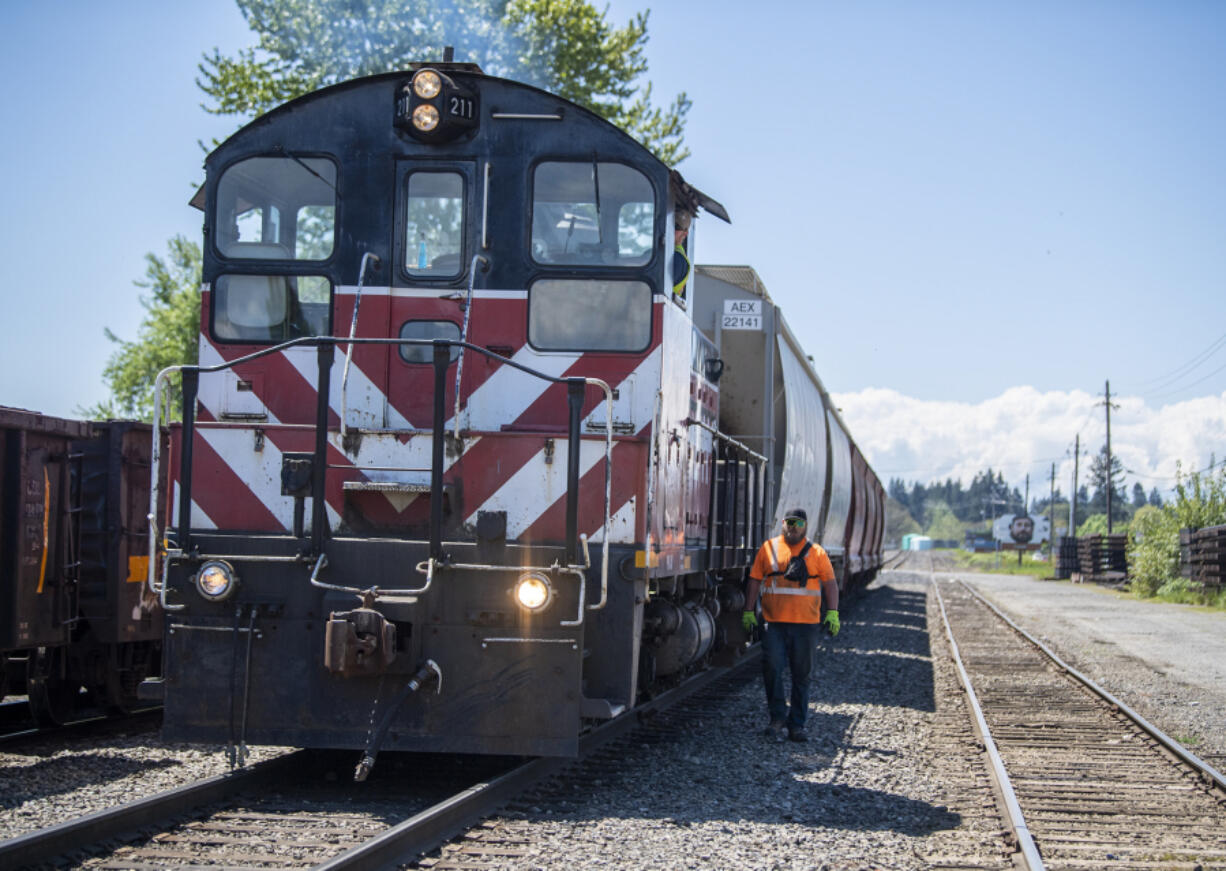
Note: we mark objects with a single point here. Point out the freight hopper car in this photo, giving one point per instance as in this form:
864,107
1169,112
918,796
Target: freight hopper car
772,399
78,633
451,474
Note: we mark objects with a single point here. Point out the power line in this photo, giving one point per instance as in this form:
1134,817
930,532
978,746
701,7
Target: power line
1207,468
1179,371
1189,386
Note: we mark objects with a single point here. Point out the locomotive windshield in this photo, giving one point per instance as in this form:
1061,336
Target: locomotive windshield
434,228
591,213
589,315
277,208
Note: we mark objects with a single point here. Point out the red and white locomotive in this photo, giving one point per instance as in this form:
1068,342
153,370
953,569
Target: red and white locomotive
458,470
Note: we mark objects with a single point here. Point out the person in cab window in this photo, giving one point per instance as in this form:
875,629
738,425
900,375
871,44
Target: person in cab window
681,261
792,574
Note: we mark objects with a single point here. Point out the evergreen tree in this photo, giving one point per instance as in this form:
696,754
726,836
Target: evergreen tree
1155,498
1101,480
1138,495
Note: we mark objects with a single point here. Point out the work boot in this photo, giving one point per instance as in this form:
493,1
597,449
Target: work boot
798,735
774,730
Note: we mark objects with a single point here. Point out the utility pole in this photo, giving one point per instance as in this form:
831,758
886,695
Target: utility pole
1051,513
1110,478
1072,503
1026,511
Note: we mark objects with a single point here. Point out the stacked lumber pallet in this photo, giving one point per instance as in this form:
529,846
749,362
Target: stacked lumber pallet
1102,557
1066,558
1207,556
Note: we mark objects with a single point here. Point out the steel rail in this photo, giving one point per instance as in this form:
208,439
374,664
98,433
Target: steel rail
425,831
895,560
45,844
23,730
1028,851
1207,772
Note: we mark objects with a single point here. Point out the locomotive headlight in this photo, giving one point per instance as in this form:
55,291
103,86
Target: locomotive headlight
532,591
427,84
425,117
216,580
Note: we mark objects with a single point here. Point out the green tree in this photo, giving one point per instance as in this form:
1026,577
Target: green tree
1138,495
168,335
942,523
1101,481
565,46
898,521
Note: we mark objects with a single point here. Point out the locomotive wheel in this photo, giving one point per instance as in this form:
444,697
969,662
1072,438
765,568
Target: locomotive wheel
54,699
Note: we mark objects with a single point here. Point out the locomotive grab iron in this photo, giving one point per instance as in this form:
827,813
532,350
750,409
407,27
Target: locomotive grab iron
458,470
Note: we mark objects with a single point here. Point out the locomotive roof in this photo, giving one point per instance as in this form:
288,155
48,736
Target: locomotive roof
685,193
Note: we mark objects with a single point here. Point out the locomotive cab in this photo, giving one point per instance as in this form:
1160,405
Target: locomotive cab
437,315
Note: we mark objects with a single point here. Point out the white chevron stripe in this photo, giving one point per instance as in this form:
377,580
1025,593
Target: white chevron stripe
259,470
537,485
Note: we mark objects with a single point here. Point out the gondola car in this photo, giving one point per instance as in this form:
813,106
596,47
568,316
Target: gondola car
78,632
458,469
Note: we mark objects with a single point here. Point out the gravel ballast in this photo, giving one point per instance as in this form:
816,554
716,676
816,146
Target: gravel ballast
891,776
48,784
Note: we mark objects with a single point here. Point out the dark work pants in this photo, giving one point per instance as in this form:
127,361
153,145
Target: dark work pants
789,644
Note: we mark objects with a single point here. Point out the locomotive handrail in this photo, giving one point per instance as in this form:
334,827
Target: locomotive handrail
577,570
468,308
689,421
353,331
326,346
753,520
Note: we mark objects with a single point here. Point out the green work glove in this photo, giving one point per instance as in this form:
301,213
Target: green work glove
832,622
749,621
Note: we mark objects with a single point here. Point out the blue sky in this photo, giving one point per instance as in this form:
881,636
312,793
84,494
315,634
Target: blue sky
950,200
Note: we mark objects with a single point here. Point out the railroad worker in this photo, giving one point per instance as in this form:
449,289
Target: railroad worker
681,260
792,574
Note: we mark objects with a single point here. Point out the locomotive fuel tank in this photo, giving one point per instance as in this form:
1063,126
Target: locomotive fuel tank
679,634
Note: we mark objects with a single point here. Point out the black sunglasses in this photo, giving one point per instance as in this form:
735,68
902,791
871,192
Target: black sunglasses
794,524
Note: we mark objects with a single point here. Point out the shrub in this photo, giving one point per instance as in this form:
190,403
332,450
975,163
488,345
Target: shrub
1153,552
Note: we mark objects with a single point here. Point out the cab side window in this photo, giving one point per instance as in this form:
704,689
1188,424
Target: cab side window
271,308
592,213
277,208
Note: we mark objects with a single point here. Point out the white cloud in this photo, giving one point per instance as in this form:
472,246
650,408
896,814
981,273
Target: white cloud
1024,431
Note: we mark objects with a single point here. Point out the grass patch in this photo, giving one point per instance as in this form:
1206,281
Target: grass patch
1181,592
988,563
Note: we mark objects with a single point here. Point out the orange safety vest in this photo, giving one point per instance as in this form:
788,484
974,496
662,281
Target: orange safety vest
782,600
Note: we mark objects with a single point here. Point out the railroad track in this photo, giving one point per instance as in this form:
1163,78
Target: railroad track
18,729
301,810
1086,782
